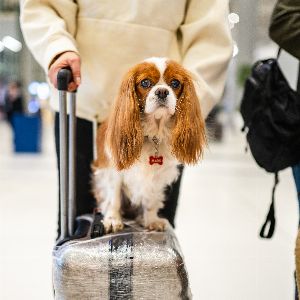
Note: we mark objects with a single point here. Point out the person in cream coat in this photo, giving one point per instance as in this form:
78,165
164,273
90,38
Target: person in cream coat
101,39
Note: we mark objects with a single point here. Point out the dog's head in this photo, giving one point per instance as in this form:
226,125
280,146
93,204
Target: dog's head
156,88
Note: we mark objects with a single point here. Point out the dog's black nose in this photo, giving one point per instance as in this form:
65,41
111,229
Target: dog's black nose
162,93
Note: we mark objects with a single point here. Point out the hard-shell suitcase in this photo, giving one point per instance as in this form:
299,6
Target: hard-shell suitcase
133,264
27,133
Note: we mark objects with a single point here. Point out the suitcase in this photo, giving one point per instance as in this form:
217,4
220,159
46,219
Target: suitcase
132,264
27,133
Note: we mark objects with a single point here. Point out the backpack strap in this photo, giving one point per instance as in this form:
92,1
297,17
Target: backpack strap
271,215
278,53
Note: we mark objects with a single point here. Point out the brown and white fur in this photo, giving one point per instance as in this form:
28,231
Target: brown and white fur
150,104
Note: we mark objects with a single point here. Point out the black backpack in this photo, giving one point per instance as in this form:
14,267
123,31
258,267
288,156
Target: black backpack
271,114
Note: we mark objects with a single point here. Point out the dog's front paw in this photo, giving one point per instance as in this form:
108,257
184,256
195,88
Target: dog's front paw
113,224
159,224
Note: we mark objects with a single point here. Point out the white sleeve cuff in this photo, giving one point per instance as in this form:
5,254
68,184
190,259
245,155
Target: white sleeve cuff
56,47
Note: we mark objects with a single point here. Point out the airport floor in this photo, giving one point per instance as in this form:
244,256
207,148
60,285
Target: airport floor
223,203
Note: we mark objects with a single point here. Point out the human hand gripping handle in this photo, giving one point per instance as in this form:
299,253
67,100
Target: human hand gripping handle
71,61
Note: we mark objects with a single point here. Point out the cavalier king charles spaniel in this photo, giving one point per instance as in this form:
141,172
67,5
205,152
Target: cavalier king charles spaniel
155,125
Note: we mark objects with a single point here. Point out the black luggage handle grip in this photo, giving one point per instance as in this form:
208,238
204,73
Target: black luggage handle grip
64,77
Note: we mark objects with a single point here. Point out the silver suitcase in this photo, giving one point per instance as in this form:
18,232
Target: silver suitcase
134,264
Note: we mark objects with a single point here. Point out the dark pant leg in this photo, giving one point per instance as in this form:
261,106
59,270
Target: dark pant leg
172,194
85,201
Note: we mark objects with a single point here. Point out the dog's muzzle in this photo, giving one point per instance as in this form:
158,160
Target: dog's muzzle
162,94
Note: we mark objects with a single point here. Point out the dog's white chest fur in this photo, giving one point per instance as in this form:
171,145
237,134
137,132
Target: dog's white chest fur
142,183
145,181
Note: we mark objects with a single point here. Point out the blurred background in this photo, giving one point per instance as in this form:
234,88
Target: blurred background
223,203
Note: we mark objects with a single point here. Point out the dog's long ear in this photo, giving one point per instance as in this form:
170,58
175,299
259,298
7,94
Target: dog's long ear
188,136
124,132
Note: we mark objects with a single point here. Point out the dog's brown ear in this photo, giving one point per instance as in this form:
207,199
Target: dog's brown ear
188,136
102,161
124,132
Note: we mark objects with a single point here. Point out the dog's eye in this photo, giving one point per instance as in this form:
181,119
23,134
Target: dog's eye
146,83
175,84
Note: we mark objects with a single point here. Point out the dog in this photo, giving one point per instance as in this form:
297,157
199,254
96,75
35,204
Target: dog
155,125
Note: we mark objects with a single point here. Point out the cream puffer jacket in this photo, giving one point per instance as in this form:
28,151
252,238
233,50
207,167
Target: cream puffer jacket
112,35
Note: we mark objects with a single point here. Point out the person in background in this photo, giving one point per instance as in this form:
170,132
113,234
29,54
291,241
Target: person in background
2,98
101,40
285,31
13,100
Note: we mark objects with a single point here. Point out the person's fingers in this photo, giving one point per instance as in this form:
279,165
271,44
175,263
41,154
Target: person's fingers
67,59
52,74
75,67
72,86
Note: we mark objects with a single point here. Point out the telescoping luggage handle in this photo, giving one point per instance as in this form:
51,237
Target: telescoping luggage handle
67,166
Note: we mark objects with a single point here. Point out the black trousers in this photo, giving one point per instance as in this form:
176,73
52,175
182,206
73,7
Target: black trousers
85,202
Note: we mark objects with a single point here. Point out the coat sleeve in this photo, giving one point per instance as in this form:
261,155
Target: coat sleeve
48,27
206,47
285,26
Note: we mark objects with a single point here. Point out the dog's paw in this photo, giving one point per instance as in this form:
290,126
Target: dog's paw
159,224
112,224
